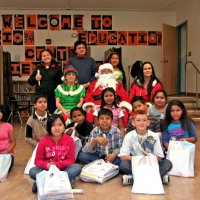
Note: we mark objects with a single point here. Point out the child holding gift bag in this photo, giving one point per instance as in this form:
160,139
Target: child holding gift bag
177,125
141,141
56,148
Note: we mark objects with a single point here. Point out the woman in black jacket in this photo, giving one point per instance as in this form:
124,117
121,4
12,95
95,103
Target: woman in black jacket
46,77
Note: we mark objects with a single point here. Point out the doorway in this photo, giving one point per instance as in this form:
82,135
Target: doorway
182,56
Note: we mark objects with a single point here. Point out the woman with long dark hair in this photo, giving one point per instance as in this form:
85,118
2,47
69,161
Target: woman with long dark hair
146,83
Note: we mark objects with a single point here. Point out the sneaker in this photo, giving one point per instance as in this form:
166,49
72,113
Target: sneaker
127,179
165,179
34,188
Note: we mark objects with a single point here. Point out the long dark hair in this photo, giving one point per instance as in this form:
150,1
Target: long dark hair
153,77
120,66
184,119
108,89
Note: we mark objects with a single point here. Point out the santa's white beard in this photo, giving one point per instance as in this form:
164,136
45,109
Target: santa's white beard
105,81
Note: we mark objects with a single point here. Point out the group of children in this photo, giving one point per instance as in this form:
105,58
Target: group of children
107,138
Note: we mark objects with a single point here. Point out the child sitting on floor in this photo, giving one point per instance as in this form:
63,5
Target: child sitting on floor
104,142
141,141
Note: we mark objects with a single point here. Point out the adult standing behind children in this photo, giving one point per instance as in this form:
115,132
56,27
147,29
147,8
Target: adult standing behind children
114,60
146,83
46,76
7,138
86,66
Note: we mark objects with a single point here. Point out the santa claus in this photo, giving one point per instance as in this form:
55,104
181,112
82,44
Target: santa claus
106,78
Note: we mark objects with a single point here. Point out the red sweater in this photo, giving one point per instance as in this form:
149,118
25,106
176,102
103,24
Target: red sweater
141,91
61,153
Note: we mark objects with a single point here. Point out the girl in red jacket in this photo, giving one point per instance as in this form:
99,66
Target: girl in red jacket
56,148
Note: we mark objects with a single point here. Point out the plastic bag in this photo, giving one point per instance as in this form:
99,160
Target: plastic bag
182,155
146,175
53,184
5,162
99,171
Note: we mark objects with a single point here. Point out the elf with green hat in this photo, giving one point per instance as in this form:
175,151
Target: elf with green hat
69,94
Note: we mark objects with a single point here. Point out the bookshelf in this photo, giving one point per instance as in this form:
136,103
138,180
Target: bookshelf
23,93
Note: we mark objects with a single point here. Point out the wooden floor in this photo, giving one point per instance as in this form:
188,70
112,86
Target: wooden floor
18,186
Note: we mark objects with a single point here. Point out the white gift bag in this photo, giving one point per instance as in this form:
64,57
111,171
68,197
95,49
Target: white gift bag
146,175
99,171
5,162
31,161
53,185
182,155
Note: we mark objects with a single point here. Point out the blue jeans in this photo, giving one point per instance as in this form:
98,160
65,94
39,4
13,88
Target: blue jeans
73,171
164,166
86,157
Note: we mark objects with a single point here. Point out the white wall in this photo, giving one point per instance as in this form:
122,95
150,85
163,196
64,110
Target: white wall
190,12
121,20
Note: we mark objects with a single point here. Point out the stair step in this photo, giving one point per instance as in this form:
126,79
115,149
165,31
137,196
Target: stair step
184,99
190,104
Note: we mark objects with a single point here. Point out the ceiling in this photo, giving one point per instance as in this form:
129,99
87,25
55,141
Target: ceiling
117,5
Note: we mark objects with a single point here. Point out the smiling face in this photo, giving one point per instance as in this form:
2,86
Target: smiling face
57,128
105,122
109,98
46,57
147,70
141,123
176,113
80,50
114,60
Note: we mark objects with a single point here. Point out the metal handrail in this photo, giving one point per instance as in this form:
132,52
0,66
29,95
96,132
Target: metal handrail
197,72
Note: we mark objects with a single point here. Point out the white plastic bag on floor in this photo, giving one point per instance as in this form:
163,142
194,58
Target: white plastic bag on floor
5,162
53,185
99,171
146,175
182,155
31,161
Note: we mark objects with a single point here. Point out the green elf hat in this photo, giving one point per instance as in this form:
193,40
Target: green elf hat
69,69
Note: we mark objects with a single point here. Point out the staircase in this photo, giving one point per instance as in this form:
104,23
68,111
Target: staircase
191,106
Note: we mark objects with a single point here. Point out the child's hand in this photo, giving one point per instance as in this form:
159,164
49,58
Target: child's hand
102,141
70,130
111,157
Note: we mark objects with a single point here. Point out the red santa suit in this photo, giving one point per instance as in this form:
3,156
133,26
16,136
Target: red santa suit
94,95
106,78
137,90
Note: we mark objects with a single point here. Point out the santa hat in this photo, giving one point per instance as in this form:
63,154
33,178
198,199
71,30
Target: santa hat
104,66
69,69
85,105
126,105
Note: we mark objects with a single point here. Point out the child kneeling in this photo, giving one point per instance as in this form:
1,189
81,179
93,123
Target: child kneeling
141,141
